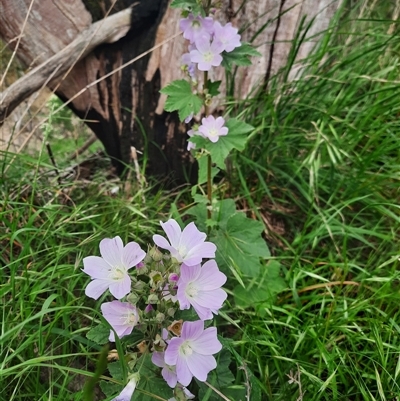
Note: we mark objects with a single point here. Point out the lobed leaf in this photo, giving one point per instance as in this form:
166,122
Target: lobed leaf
181,98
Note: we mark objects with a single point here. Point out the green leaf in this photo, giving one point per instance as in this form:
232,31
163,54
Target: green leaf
99,334
109,388
213,87
151,382
181,98
115,370
239,56
263,289
190,5
222,211
240,245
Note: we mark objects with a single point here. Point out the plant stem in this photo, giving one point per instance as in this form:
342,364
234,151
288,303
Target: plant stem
209,161
209,186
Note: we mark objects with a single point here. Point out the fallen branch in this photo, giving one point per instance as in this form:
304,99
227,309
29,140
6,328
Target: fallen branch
108,30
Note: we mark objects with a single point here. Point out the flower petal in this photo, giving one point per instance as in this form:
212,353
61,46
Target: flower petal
203,312
96,288
210,277
132,254
121,288
158,359
204,250
207,343
183,372
169,376
96,267
161,242
173,231
172,351
211,299
192,330
111,250
201,365
191,236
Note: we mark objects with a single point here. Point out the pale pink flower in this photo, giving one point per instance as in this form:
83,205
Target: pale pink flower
212,128
192,352
200,287
187,246
168,372
122,317
110,271
227,36
207,54
193,27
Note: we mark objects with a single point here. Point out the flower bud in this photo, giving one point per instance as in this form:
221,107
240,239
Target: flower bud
139,286
152,299
173,278
149,308
155,254
171,312
160,317
155,278
132,298
159,344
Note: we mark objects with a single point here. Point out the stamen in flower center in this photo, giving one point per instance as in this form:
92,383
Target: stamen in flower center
196,24
186,349
130,319
182,251
213,132
208,57
117,273
191,290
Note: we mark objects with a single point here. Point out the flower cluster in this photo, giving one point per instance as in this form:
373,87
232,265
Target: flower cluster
208,39
148,287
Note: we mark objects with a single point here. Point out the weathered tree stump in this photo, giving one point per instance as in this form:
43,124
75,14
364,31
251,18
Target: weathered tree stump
126,107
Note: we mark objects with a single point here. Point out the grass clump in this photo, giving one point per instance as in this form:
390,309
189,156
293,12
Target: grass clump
46,229
322,172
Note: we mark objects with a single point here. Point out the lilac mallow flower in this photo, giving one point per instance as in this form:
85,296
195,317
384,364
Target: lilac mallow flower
168,372
212,128
201,287
192,352
207,54
193,27
110,271
122,317
227,36
129,389
187,246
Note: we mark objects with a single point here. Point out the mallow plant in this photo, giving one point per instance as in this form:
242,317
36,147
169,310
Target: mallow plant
158,305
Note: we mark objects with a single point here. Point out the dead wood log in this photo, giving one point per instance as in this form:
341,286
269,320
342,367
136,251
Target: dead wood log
107,30
126,108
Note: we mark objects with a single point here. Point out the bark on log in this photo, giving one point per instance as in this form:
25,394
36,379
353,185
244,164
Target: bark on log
128,102
108,30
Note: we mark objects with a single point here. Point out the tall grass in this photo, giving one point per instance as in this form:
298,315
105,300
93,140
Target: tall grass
323,173
46,228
